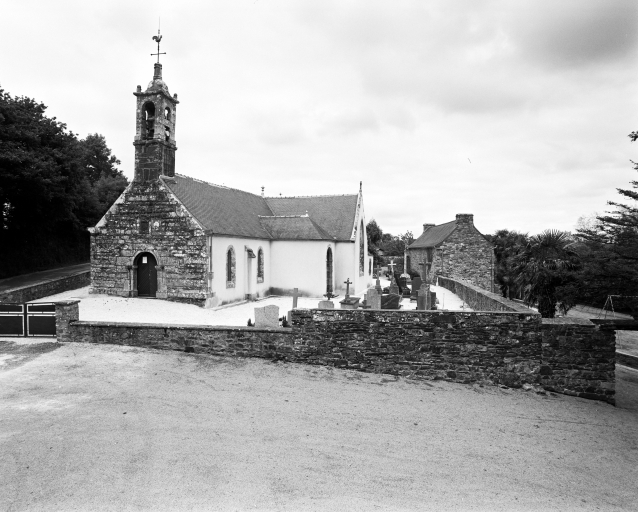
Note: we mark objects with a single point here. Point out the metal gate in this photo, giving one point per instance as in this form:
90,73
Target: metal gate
30,319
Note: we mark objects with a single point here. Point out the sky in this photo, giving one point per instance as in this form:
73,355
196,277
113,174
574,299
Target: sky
515,111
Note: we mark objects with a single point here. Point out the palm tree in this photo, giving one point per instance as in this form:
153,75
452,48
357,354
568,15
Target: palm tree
543,266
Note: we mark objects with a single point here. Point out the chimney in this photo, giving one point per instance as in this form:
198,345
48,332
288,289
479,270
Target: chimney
465,218
427,226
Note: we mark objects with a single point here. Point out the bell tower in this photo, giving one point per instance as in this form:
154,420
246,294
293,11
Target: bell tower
155,128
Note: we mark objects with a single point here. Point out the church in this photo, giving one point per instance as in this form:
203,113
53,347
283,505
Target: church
174,237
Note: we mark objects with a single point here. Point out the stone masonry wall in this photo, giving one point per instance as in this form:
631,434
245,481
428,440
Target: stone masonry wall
177,243
480,299
37,291
510,348
578,358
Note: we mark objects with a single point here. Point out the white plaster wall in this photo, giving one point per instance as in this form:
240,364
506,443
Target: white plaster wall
242,287
344,258
300,264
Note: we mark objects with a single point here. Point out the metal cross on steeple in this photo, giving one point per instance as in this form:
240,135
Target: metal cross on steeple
158,38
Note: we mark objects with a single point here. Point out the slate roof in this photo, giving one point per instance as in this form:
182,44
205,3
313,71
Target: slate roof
299,227
225,211
229,211
434,235
335,214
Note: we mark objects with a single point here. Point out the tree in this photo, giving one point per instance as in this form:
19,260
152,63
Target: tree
47,196
610,247
544,268
507,246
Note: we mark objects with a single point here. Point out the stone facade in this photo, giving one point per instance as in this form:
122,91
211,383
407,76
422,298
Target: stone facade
461,252
173,237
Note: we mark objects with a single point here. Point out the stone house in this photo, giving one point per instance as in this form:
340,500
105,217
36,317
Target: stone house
456,249
178,238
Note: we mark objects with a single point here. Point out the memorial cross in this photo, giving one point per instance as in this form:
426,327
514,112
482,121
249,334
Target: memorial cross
295,296
347,283
392,265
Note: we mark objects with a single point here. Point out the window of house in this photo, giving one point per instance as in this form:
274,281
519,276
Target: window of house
230,267
260,266
144,227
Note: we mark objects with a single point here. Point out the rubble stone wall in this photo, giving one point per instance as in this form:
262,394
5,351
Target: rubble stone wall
480,299
37,291
175,240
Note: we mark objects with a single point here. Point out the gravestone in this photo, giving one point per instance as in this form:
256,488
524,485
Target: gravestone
295,296
373,298
268,316
416,284
326,304
391,301
433,300
394,288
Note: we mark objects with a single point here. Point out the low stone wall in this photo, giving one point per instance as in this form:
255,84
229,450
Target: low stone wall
37,291
479,299
510,348
578,358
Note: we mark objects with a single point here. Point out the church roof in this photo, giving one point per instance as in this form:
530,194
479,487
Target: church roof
229,211
225,211
335,214
434,236
297,227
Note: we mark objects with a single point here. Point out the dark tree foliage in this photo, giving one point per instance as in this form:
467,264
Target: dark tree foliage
545,271
52,187
609,250
507,246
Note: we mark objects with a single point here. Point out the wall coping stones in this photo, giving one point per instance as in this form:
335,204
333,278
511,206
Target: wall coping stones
506,303
181,327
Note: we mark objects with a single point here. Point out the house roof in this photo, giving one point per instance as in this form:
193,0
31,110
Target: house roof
434,236
298,227
229,211
225,211
335,214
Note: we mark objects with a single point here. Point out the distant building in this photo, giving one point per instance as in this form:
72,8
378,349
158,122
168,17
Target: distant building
457,249
174,237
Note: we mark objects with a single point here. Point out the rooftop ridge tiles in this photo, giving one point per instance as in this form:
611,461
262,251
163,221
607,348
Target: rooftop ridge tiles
197,180
306,197
283,216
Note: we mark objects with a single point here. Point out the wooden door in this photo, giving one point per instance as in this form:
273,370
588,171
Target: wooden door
146,275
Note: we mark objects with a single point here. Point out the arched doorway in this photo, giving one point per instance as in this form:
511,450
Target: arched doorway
146,275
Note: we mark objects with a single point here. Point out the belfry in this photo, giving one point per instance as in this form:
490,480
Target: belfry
155,129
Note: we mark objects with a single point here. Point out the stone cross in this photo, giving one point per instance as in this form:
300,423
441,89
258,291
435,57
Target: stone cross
295,296
347,283
392,265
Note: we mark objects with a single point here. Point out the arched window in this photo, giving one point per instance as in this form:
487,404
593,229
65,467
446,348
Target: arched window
329,270
167,113
370,266
361,250
148,120
230,267
260,265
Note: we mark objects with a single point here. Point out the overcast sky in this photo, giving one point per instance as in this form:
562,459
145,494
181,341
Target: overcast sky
515,111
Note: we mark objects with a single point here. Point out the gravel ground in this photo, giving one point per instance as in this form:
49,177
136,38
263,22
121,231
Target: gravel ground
118,428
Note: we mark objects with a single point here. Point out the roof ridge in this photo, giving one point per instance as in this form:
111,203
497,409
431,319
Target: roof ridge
321,231
197,180
283,216
305,197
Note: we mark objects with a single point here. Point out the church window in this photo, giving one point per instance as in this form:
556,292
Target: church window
148,120
167,113
361,250
230,267
144,227
370,267
260,265
329,270
167,133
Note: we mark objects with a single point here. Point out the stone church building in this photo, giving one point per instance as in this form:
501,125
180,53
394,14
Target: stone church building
456,249
174,237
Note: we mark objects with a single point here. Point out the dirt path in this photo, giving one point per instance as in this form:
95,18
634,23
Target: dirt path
117,428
